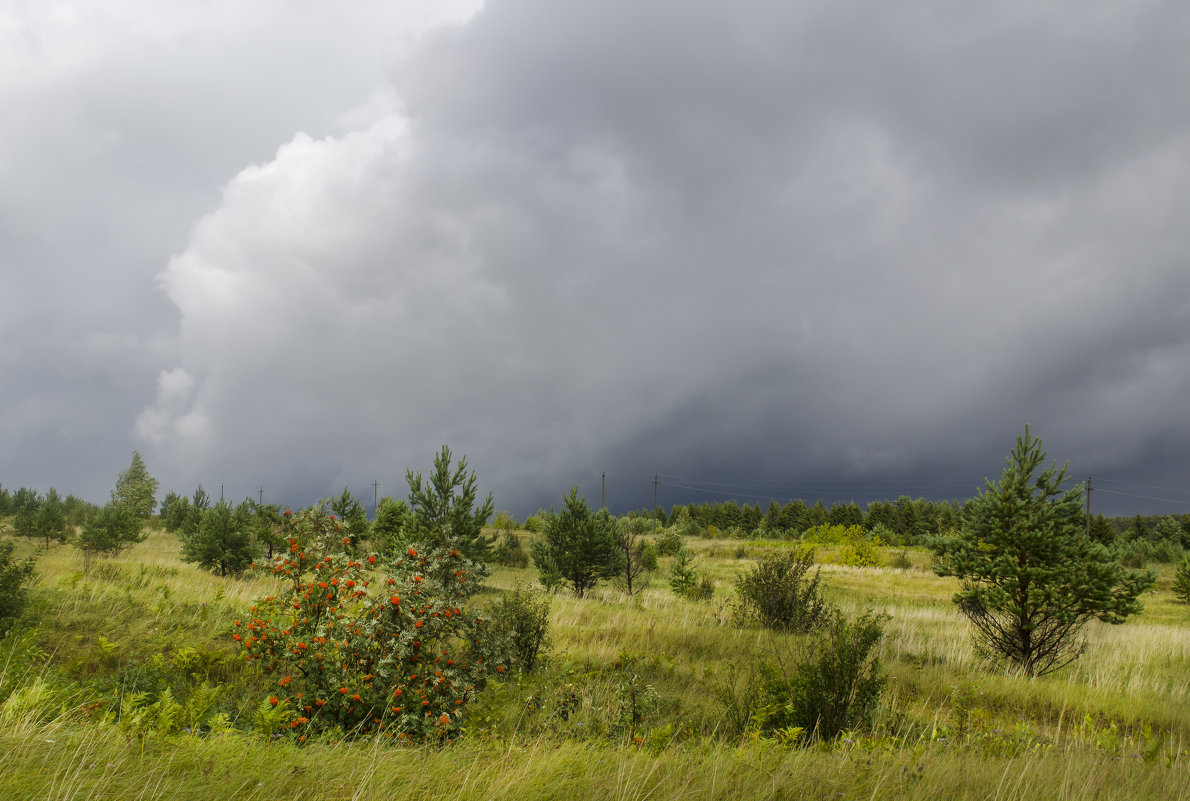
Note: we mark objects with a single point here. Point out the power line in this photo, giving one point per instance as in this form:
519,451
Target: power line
1181,501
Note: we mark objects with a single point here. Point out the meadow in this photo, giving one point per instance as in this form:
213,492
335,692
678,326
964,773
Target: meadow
635,700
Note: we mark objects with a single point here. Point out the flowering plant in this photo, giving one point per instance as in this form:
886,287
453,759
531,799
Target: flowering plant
365,645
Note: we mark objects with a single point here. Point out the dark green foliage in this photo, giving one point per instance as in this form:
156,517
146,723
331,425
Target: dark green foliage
522,618
579,545
24,498
136,489
51,518
1102,531
195,509
845,515
355,520
683,578
24,520
388,529
1181,581
174,510
112,529
778,595
1169,531
648,557
831,690
443,509
1135,553
1031,578
265,526
14,575
77,511
5,501
223,542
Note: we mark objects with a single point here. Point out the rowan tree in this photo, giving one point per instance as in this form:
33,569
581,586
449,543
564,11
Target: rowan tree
1031,577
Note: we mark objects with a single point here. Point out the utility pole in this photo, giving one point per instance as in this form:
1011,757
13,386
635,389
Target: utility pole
220,492
603,493
375,489
261,501
1088,507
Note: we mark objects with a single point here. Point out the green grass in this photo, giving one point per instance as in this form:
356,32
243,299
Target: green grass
1115,723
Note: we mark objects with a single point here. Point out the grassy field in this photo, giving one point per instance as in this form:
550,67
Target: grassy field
1116,724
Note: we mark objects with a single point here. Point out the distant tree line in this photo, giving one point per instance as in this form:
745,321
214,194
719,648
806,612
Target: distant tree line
904,521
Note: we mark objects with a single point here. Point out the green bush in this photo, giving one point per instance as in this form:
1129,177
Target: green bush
522,619
1167,552
860,549
13,577
831,690
1136,553
705,590
669,542
777,594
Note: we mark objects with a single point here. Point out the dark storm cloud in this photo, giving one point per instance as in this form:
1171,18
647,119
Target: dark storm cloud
812,248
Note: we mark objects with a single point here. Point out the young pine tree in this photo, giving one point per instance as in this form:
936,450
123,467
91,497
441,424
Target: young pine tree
1031,578
136,489
443,508
223,542
579,545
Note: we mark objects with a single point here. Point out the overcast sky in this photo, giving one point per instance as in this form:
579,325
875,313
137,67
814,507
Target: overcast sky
831,250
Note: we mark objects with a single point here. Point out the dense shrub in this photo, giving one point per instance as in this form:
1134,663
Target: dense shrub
833,534
1134,554
522,619
669,542
777,594
832,689
860,549
900,560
